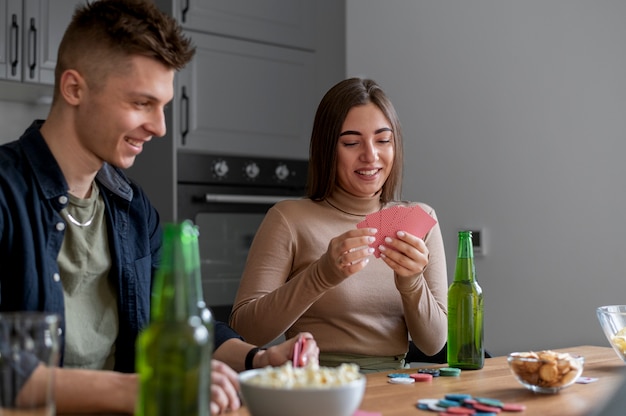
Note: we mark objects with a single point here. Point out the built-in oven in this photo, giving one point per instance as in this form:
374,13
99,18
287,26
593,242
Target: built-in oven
227,198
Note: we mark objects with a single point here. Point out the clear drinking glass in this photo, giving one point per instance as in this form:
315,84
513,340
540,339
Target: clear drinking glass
28,341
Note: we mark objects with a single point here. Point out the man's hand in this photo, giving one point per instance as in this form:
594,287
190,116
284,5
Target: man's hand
224,388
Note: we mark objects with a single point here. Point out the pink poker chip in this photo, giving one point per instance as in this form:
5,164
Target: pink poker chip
513,407
421,376
486,409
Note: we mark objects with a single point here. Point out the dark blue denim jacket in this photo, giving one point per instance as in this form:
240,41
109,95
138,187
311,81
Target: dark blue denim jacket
33,191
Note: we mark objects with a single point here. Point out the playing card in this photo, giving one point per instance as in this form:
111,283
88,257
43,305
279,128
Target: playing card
417,222
298,347
389,221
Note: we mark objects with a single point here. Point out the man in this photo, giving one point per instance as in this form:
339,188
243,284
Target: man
77,237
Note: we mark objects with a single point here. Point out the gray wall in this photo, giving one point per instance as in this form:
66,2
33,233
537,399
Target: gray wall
513,114
15,117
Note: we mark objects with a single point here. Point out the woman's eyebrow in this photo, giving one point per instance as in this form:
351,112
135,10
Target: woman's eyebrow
356,133
349,133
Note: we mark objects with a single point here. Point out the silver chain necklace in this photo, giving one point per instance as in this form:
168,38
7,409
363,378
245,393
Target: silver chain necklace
90,220
82,224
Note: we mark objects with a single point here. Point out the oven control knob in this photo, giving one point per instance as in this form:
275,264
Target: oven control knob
282,172
220,168
252,170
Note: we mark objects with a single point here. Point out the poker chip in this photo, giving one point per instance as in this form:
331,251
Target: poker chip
464,404
489,402
447,403
513,407
429,404
421,377
483,408
459,397
432,371
460,410
401,380
449,371
398,375
436,408
427,401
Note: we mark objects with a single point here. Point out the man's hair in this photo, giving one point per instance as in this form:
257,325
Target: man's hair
104,32
331,113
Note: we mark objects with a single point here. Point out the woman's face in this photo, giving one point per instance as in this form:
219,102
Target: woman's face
365,151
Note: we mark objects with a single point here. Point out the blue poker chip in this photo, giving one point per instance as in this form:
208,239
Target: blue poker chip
459,397
448,403
398,375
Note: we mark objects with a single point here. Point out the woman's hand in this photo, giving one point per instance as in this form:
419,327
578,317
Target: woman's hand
224,388
407,255
277,355
350,250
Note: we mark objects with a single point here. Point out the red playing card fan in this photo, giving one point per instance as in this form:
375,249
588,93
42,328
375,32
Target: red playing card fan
414,220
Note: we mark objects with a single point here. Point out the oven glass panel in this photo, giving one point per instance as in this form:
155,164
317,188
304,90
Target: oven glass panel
224,239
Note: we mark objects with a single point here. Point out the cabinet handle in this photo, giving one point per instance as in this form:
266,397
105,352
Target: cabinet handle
14,44
184,11
184,115
32,48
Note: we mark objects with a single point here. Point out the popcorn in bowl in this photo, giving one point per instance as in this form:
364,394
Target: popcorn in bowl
312,390
312,375
545,371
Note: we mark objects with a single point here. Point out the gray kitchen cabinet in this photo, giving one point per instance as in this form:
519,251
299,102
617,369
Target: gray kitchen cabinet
242,98
252,89
30,33
10,33
279,22
251,86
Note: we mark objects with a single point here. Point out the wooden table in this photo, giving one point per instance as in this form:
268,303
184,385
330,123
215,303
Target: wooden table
496,381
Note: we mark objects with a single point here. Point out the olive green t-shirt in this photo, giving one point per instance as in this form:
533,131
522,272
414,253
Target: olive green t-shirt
91,315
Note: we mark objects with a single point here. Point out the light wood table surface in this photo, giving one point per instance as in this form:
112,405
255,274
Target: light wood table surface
496,381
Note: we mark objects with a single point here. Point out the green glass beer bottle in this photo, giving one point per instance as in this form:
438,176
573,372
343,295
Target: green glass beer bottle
465,311
203,311
174,350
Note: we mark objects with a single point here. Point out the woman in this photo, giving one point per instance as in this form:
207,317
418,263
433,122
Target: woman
310,268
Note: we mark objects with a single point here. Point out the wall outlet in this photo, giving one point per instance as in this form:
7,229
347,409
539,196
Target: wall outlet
478,241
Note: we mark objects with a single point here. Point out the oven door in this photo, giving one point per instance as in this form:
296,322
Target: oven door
227,223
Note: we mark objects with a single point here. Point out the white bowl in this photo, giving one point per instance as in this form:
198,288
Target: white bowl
340,400
613,321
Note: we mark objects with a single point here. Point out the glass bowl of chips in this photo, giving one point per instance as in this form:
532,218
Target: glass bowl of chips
546,371
613,321
304,391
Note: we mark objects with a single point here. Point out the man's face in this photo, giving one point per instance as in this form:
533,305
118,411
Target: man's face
114,121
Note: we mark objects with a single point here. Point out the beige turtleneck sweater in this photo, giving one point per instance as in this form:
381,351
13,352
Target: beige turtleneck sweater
290,285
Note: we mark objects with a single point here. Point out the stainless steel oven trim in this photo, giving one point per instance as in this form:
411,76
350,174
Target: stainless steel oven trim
246,199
